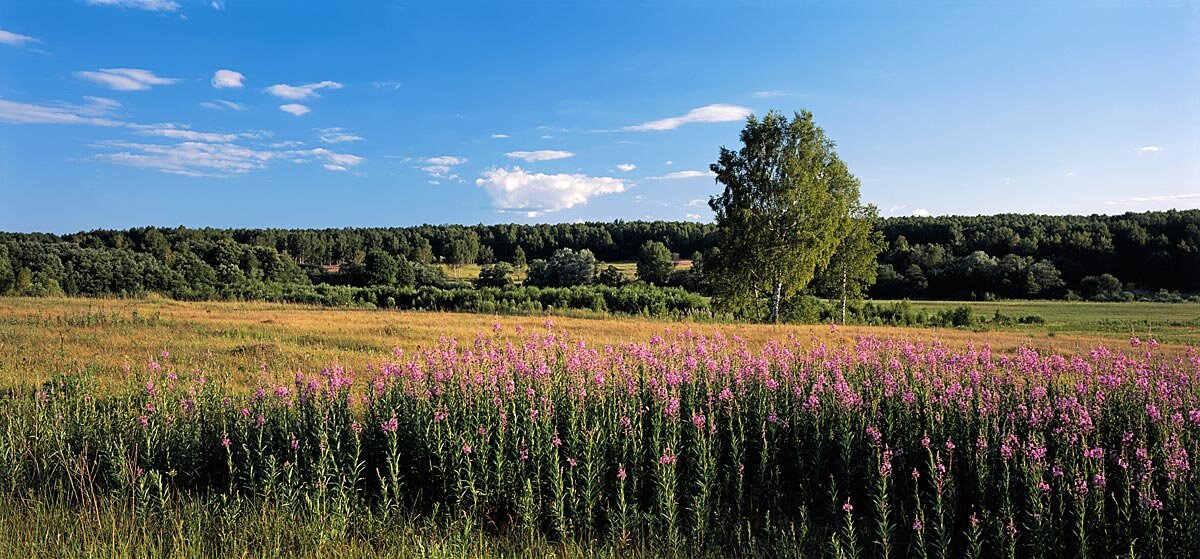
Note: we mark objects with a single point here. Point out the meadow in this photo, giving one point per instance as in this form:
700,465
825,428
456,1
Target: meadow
150,427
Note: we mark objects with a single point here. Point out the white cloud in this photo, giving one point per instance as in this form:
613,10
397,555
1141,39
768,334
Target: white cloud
696,202
537,193
626,167
333,167
1071,173
1148,149
125,79
337,135
149,5
710,113
217,5
190,135
15,39
921,212
298,92
227,78
499,136
1136,200
683,175
204,159
669,163
221,104
449,160
768,93
295,109
694,217
540,155
386,85
96,112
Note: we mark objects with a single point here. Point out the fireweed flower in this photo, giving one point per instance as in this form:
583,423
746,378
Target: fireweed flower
389,426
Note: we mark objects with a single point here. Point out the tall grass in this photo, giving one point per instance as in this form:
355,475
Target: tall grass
689,445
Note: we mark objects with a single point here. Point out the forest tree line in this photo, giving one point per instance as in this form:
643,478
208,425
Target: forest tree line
1098,257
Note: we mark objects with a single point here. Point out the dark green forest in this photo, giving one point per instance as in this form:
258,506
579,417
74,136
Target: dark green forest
1152,255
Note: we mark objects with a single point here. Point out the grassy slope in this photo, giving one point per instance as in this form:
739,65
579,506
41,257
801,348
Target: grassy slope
234,342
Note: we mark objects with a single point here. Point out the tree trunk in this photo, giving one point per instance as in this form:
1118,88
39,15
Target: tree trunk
776,295
843,295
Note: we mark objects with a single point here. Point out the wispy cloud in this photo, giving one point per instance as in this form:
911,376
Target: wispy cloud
295,109
682,175
333,167
217,5
386,85
221,104
768,94
125,79
16,39
499,136
227,78
299,92
1148,149
337,135
626,167
710,113
1137,200
221,160
539,155
537,193
695,203
97,111
441,166
149,5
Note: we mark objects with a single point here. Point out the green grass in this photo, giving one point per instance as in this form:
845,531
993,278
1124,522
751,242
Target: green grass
1176,323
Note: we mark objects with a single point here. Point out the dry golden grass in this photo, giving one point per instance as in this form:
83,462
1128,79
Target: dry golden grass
235,342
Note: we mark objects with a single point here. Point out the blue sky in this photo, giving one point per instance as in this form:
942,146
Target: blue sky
239,113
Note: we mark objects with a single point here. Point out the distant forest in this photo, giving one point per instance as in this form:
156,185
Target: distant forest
1098,257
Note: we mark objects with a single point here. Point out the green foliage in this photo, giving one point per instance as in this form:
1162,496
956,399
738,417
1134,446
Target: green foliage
381,268
654,263
565,268
783,212
611,276
495,275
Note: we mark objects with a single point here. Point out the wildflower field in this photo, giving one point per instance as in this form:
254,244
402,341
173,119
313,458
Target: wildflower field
528,440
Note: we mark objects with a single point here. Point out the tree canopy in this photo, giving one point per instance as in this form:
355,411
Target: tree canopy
783,213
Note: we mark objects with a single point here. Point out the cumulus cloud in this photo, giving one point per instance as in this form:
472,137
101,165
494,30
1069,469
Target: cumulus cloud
227,78
221,104
921,212
295,109
539,155
148,5
710,113
16,39
125,79
683,175
537,193
1148,149
299,92
626,167
337,135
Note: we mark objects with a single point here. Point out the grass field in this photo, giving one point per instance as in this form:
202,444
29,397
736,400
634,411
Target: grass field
237,341
1177,323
